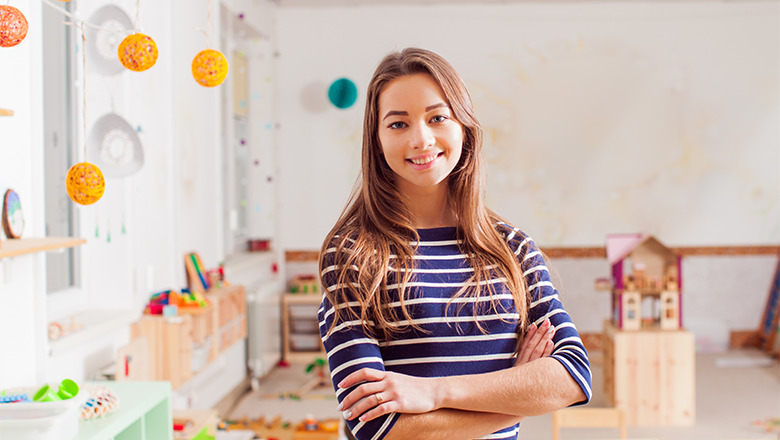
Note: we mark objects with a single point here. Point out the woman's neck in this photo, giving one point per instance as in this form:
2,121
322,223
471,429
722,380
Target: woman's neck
430,207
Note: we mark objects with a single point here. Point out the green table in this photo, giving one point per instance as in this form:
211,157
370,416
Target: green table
144,414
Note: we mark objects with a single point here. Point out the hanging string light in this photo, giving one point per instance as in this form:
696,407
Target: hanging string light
137,52
85,183
13,26
209,67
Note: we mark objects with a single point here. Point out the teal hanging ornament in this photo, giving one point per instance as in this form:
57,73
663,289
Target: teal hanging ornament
97,228
124,231
342,93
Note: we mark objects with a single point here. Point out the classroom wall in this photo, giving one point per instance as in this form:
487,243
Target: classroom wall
171,206
599,118
22,292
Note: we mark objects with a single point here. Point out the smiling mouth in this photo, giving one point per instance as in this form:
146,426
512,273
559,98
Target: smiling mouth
424,160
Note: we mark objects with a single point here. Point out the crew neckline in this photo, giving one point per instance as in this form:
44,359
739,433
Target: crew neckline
440,233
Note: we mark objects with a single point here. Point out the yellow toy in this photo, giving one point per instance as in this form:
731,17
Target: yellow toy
137,52
209,68
85,183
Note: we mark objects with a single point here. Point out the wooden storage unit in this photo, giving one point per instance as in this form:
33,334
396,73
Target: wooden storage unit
650,375
230,305
300,329
204,327
169,342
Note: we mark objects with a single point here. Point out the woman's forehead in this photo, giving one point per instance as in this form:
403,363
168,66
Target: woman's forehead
411,92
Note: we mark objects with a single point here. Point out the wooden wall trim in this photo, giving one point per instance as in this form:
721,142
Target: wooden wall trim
706,251
302,256
601,252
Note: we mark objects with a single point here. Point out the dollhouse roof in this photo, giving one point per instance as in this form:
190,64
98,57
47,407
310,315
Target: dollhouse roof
620,245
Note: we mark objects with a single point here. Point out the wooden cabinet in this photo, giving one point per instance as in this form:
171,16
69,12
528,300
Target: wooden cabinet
300,329
650,375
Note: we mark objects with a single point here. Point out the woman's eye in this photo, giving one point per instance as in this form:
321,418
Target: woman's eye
439,118
396,125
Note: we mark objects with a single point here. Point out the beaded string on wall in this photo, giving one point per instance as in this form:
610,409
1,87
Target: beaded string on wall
209,67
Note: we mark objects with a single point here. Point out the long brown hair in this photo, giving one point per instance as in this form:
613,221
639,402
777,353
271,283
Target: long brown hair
377,222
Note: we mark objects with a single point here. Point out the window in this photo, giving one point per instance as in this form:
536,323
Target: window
58,122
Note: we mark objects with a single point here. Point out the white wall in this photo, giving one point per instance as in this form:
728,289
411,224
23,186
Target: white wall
658,117
22,297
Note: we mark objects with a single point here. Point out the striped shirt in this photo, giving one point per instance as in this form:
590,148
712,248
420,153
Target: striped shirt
453,344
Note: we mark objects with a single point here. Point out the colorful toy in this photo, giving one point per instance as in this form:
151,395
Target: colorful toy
138,52
67,390
13,26
305,284
643,268
58,329
209,68
102,401
197,277
85,183
14,398
174,301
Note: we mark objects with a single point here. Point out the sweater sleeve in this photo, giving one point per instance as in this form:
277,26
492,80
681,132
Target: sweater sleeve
349,349
568,348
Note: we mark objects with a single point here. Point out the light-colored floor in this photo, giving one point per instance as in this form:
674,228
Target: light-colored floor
728,401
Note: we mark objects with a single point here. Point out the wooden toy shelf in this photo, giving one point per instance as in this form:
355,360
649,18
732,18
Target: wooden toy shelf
21,246
300,329
650,375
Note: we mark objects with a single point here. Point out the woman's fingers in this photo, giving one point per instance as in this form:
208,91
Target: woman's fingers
376,403
361,392
537,343
362,375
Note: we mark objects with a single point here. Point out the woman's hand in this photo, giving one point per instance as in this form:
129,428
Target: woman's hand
537,343
386,392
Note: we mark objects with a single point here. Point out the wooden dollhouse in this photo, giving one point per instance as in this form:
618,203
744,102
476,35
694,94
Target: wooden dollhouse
649,364
646,283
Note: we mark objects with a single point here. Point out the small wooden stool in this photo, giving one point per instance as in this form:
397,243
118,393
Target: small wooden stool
588,418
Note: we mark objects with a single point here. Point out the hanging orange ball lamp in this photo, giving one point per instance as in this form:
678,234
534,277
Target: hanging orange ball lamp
13,26
137,52
85,183
209,68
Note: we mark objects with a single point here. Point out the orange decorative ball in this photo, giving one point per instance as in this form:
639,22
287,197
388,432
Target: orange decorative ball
137,52
85,183
13,26
209,68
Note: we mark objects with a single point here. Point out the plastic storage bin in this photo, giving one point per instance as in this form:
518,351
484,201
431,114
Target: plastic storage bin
58,420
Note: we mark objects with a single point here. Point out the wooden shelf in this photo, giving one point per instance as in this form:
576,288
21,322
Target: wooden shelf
289,353
6,112
21,246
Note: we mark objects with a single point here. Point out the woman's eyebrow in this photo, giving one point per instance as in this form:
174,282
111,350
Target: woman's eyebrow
403,113
394,113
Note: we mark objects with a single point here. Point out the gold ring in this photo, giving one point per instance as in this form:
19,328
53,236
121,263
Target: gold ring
379,398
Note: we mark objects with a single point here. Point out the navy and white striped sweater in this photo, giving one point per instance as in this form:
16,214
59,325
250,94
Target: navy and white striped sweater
453,345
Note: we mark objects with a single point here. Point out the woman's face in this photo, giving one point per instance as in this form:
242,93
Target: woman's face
420,139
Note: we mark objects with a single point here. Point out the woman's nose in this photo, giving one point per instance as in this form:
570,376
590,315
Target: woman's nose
422,137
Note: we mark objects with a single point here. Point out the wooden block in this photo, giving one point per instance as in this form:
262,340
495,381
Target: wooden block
744,339
131,361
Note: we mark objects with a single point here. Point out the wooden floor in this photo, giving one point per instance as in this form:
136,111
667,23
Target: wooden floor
728,402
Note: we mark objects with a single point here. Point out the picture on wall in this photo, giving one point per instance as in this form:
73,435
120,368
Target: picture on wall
13,219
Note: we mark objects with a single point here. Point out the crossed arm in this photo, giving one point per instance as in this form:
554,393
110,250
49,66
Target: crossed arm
469,406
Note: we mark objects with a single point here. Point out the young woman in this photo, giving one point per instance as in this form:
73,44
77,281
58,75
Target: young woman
439,318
